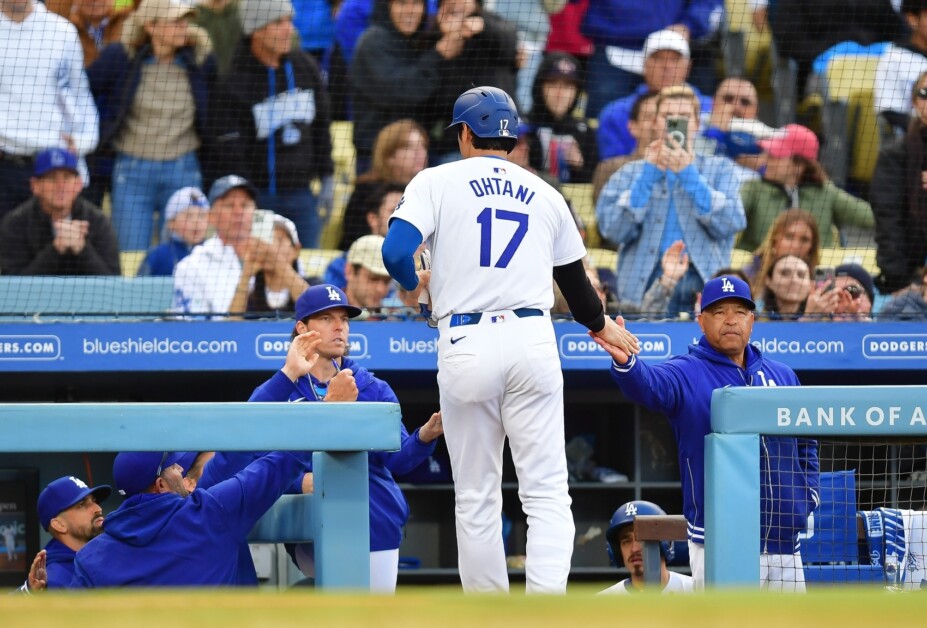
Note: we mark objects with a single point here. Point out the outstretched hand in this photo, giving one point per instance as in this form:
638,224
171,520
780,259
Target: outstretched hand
301,356
38,574
432,429
616,340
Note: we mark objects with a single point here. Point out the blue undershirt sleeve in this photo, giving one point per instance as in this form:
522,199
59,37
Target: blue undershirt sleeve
398,252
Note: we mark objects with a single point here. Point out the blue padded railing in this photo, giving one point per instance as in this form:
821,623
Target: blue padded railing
335,517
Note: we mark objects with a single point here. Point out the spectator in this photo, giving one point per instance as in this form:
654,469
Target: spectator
315,25
672,194
620,30
44,97
57,232
488,56
368,281
186,220
560,145
848,298
910,303
221,21
399,153
272,282
565,35
271,120
641,120
163,535
325,310
735,102
666,65
532,20
899,199
380,205
794,232
99,24
205,281
395,72
782,287
802,30
152,90
795,178
70,512
900,66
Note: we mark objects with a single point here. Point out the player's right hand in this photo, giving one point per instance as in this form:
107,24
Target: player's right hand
342,387
38,575
301,356
616,340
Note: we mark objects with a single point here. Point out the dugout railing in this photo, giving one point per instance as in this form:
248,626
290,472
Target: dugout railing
732,454
335,517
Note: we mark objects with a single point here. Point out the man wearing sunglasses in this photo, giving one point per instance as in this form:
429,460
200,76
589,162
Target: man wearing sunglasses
849,298
733,128
163,535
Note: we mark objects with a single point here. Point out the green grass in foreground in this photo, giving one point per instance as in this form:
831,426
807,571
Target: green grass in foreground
442,607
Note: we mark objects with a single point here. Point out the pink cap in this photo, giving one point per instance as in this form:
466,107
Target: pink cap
792,140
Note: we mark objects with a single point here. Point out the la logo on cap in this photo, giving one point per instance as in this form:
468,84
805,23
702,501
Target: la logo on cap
333,294
57,158
630,510
77,481
726,285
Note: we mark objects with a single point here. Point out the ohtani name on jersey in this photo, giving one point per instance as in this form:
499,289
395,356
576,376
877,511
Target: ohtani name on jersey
503,187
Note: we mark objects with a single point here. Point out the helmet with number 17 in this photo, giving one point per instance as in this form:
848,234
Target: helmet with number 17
488,111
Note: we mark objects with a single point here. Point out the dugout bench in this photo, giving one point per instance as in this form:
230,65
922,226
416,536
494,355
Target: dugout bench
335,516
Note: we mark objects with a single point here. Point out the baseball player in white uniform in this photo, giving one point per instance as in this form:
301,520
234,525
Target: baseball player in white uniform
497,235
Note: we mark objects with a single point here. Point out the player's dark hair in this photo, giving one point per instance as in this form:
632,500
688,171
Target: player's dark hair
491,143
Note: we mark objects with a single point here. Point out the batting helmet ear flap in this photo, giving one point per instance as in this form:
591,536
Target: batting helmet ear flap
625,516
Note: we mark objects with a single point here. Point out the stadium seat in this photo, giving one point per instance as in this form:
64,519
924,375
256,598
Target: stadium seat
746,51
740,259
343,156
580,197
865,257
850,124
315,261
129,261
603,258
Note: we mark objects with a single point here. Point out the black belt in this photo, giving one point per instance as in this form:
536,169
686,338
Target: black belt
474,317
19,160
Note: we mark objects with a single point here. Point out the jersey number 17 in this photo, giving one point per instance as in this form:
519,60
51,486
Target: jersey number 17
486,221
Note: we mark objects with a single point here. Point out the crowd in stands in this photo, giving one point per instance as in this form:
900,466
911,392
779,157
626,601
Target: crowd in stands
142,106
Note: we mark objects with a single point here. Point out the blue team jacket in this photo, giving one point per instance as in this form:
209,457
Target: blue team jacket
681,389
170,541
388,508
59,564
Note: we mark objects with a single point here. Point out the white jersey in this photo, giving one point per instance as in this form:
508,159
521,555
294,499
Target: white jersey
495,232
677,583
895,76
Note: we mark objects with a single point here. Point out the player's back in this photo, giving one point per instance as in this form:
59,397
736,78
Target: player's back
495,232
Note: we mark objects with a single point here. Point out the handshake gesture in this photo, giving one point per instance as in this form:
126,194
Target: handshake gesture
616,340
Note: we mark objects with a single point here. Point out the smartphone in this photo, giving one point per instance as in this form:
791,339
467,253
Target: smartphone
262,226
824,275
677,127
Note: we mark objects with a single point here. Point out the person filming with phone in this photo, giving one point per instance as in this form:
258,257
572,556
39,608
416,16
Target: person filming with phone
207,280
845,293
671,194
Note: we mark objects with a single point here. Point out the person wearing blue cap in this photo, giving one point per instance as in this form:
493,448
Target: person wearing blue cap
57,232
70,511
164,535
681,389
317,369
186,221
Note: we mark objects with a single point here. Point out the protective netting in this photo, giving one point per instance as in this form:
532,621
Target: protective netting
797,156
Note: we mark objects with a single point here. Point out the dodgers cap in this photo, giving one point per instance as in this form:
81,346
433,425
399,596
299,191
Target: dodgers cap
228,183
323,297
135,471
726,287
183,199
54,159
63,493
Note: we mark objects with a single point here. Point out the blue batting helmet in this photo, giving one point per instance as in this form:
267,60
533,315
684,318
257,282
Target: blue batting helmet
625,516
488,111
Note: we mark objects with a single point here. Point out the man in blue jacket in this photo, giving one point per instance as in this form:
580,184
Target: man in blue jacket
681,389
70,511
317,369
164,536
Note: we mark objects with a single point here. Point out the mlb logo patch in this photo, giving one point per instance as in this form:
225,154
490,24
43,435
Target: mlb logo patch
497,319
499,170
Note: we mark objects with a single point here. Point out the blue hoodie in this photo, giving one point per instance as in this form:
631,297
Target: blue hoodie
162,539
624,23
59,564
681,389
388,508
